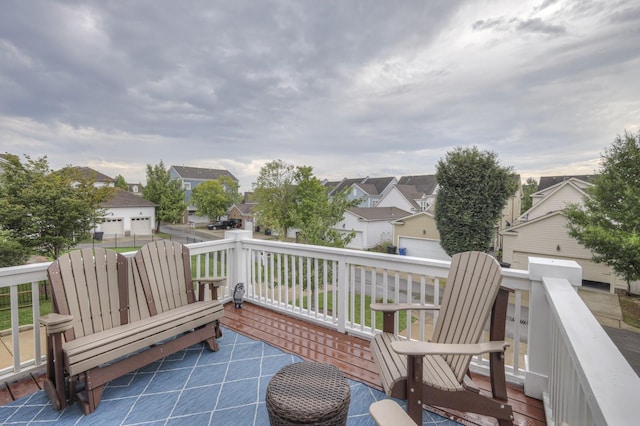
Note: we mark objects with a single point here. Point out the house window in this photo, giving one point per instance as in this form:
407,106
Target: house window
186,186
424,205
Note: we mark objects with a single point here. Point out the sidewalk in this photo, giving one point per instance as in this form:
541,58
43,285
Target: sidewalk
606,308
26,345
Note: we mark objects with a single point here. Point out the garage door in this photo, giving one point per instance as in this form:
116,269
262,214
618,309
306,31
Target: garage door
591,271
357,242
112,226
141,226
421,247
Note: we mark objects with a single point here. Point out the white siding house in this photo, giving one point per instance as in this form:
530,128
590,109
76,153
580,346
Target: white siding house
542,232
372,226
127,214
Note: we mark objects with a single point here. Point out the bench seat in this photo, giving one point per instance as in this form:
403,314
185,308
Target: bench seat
93,350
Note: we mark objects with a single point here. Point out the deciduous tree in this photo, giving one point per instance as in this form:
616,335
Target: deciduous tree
528,188
166,193
275,195
48,210
473,189
316,213
608,221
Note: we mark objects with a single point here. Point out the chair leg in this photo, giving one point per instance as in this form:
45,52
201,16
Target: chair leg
414,388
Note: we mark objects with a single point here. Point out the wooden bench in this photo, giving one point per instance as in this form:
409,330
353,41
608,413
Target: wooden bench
119,314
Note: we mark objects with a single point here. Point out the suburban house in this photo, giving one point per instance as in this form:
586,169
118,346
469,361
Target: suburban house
189,178
243,211
369,190
417,235
541,231
510,214
127,214
412,193
372,225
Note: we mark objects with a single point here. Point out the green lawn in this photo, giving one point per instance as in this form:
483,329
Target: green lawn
25,315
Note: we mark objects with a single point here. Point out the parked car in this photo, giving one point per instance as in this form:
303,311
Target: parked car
226,224
220,224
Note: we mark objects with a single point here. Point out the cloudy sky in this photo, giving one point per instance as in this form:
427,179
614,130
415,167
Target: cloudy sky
351,88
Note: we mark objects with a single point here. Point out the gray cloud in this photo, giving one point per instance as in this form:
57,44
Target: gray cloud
352,88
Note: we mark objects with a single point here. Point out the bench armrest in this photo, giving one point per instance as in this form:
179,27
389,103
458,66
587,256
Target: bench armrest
395,307
213,283
56,323
429,348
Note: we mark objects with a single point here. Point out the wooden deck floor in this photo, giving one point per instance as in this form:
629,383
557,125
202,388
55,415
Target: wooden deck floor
315,343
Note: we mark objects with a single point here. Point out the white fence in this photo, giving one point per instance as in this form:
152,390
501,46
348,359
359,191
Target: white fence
552,340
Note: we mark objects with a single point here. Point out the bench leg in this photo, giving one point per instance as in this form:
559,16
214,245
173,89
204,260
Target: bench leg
91,400
54,385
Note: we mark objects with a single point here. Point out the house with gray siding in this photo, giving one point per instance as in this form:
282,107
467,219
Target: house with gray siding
189,178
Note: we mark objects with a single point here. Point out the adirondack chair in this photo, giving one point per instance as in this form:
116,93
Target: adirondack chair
106,307
436,372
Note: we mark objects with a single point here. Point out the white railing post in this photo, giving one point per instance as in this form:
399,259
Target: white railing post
239,267
539,339
343,295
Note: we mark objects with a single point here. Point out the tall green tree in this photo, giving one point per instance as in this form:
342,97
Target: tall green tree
473,189
121,183
316,213
166,193
528,188
274,193
48,210
211,199
608,221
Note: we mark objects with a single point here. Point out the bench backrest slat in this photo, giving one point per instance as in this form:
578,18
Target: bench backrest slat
164,269
86,283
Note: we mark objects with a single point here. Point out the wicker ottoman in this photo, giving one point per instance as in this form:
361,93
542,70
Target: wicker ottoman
308,393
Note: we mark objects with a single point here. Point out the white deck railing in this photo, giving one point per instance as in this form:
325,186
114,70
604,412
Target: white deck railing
550,352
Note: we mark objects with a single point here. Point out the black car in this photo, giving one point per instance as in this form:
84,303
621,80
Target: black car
220,224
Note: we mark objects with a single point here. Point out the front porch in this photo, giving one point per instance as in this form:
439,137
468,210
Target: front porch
323,316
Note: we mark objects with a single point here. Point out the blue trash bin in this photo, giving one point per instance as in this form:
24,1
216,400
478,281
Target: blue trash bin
402,251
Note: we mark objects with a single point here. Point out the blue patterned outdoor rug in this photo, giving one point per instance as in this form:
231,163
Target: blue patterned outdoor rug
193,387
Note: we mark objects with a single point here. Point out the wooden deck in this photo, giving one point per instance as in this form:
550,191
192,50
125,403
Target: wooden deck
315,343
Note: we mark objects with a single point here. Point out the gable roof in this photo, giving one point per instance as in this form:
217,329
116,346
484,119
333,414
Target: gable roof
378,213
88,172
122,198
514,229
244,208
424,184
548,198
199,173
549,181
371,186
401,220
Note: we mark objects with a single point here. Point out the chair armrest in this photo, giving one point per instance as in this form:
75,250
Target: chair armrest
57,323
387,412
429,348
395,307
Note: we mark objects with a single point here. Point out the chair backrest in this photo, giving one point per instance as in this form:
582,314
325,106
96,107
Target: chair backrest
470,292
164,272
90,284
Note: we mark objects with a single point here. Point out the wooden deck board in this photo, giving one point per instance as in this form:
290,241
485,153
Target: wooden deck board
315,343
351,354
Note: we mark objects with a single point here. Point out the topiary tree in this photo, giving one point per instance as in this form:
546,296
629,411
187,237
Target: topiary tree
473,189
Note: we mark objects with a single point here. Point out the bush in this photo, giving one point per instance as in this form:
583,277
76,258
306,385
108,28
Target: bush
12,253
